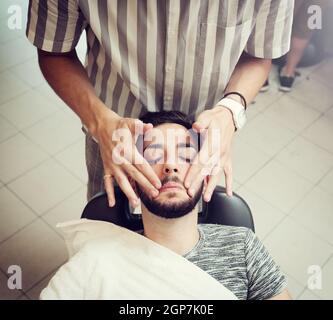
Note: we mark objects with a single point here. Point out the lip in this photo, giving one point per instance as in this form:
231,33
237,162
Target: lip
170,186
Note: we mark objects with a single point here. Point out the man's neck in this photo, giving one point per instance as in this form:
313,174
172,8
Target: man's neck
179,235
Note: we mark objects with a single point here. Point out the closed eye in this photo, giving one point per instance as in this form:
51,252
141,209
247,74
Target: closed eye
153,161
188,160
153,155
186,154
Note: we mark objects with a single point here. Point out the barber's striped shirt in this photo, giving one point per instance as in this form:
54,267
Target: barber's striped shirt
162,54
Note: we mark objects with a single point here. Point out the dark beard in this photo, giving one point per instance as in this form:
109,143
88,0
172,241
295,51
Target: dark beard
170,210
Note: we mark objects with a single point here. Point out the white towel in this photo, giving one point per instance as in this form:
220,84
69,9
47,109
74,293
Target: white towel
111,262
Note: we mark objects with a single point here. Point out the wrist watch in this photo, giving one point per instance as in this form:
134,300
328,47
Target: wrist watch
237,110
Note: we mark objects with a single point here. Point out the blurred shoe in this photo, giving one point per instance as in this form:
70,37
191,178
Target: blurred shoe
265,86
286,82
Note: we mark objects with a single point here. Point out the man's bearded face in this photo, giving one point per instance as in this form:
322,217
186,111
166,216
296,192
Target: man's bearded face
170,156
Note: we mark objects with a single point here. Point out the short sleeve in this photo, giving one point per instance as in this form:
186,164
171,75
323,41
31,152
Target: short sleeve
271,33
54,26
264,276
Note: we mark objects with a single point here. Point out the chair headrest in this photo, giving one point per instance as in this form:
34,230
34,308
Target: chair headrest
221,209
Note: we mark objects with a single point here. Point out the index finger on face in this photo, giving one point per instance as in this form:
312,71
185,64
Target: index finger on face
145,168
197,164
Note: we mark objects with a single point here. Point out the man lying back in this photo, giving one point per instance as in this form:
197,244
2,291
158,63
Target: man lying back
233,256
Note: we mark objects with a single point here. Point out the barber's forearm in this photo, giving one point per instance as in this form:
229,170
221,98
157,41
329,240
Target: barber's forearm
68,78
249,76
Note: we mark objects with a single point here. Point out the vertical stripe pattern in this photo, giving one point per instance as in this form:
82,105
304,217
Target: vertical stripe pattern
159,54
162,55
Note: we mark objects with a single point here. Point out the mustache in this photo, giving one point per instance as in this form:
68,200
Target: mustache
171,179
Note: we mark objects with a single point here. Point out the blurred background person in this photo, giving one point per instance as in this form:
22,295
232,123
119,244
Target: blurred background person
301,52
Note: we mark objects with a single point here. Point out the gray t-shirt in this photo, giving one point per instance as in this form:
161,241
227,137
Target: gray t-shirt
236,257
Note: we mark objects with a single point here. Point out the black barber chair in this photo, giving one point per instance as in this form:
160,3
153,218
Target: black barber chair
231,211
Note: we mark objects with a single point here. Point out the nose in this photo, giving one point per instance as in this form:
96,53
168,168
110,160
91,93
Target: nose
170,169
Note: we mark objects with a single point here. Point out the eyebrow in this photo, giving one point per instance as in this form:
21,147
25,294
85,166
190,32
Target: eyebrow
179,145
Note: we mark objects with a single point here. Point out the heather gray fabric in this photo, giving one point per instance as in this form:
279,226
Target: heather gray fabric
236,257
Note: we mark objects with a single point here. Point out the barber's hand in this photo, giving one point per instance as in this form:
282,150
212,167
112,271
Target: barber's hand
213,160
121,164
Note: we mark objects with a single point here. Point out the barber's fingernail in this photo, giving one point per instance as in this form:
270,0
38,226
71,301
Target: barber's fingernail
187,184
111,203
134,202
154,193
191,192
158,185
207,198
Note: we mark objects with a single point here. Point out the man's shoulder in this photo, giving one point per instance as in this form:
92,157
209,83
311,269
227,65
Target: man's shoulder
218,231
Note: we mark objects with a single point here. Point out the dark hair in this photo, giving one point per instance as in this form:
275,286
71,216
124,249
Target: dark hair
173,116
161,117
